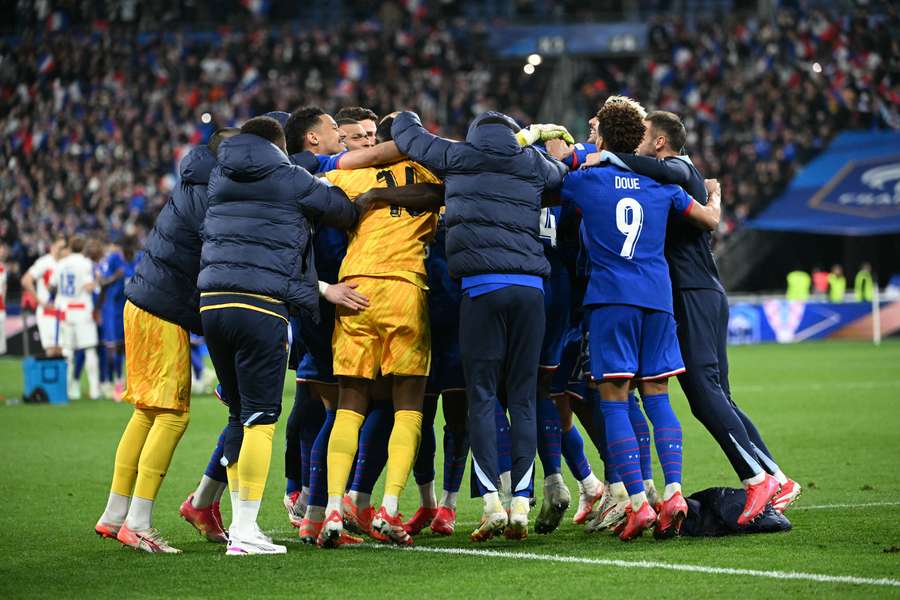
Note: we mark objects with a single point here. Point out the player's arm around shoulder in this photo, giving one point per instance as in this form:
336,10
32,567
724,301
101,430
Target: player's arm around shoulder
321,201
705,216
549,170
434,152
379,154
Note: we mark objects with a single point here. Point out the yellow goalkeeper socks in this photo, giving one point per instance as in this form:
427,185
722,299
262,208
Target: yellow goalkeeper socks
342,446
168,427
256,455
165,432
402,448
129,452
253,470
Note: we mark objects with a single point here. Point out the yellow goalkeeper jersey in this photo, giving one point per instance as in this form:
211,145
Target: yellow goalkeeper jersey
388,240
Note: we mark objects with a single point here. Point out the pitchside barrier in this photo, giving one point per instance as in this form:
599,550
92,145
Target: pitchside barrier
761,319
754,319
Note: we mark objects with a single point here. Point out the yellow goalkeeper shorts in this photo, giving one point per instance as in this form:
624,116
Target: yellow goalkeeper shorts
157,361
391,337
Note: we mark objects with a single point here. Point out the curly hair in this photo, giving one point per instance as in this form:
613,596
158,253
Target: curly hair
621,127
629,101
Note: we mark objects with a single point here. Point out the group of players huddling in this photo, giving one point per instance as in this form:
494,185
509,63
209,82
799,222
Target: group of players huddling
519,277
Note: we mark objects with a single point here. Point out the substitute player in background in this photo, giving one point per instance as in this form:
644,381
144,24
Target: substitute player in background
631,326
73,280
36,282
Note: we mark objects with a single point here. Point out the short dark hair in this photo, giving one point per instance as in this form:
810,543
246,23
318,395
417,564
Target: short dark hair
383,132
357,113
220,136
266,128
76,244
299,124
342,122
669,125
621,127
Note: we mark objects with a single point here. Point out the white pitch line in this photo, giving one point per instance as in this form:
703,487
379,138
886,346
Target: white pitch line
646,564
829,506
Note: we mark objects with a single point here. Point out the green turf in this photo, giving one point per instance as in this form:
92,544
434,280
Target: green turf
829,411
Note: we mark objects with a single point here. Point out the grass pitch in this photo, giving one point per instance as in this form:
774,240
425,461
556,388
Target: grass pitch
829,411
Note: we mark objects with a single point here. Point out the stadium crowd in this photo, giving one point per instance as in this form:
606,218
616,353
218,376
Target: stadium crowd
761,98
95,122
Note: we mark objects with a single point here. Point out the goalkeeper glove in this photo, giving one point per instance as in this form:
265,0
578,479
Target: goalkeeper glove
542,133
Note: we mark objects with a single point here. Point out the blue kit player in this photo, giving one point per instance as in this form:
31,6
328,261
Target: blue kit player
701,310
557,315
629,309
116,269
445,380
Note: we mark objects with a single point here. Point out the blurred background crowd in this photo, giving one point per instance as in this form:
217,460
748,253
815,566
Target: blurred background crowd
99,100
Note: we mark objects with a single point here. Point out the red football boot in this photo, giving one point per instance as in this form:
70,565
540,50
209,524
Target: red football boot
391,527
757,497
444,522
670,517
204,521
637,521
786,496
420,520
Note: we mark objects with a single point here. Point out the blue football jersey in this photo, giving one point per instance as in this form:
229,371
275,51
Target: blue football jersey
111,263
579,154
624,218
329,162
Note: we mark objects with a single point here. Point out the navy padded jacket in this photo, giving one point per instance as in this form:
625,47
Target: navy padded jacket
256,236
493,193
165,281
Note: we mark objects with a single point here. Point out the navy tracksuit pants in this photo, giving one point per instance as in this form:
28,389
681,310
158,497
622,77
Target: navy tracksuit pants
249,349
702,317
500,336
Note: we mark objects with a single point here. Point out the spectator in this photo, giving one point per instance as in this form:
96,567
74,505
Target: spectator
863,283
798,286
837,284
820,280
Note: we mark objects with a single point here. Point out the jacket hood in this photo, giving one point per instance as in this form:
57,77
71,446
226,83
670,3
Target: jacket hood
279,115
248,157
197,165
497,136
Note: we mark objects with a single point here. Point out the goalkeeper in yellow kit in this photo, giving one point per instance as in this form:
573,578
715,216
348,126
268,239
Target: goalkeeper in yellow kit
386,260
